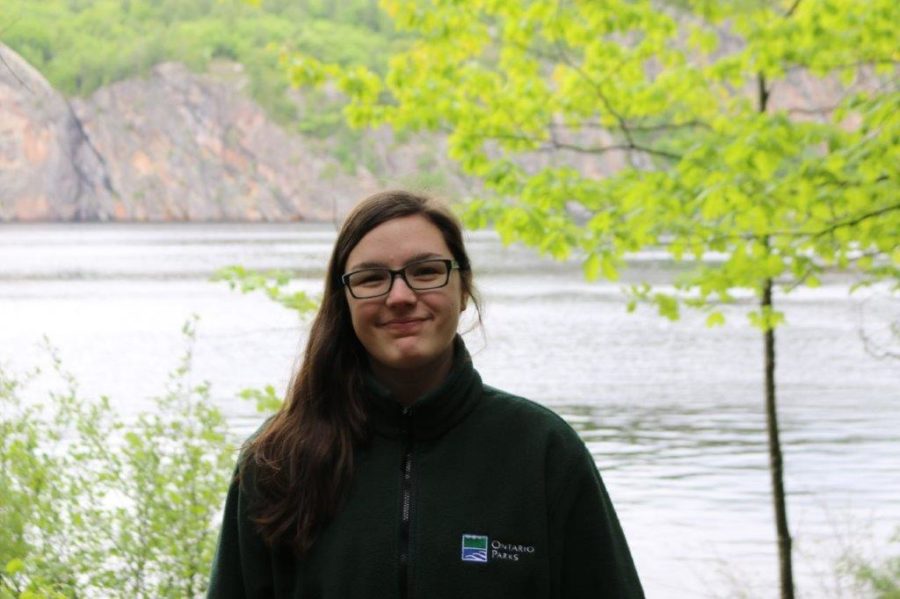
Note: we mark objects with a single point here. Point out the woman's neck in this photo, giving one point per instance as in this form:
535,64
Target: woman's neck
408,385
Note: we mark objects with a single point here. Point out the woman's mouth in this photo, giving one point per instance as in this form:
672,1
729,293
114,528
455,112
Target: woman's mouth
403,325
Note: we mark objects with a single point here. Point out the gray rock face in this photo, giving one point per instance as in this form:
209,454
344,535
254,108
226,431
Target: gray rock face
48,169
192,147
172,146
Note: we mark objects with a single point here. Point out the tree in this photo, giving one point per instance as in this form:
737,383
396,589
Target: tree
83,45
762,131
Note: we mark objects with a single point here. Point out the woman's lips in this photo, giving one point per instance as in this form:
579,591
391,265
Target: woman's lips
404,325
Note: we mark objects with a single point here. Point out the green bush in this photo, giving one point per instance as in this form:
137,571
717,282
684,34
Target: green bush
881,578
92,504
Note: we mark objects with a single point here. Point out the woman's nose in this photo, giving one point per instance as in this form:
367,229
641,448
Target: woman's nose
400,292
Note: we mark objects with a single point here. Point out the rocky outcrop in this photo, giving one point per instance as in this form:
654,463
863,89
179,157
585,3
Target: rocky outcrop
175,145
193,147
48,168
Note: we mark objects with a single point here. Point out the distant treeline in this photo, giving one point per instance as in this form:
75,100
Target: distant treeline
81,45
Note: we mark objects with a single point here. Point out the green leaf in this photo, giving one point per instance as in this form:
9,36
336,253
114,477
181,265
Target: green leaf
667,306
715,319
766,319
267,400
608,267
14,566
592,267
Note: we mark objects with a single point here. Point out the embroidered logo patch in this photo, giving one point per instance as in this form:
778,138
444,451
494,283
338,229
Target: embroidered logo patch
475,548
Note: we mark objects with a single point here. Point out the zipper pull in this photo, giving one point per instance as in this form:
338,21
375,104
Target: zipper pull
406,413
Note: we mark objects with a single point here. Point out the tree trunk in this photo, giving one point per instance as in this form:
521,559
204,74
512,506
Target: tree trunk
775,460
776,468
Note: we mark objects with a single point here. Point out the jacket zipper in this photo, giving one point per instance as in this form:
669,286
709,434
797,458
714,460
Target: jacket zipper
406,505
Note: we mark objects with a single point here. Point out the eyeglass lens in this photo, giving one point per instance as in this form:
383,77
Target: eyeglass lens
427,274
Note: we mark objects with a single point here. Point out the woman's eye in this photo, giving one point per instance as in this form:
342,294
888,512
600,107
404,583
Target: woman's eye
426,271
370,279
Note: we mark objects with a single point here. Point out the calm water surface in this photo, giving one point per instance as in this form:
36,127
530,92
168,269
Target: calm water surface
671,411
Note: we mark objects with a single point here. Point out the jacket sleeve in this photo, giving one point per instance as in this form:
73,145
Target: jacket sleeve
590,556
242,566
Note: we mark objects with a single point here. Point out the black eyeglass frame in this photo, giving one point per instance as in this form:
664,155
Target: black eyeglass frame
401,272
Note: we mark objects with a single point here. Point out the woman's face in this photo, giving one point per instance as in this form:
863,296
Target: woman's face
405,329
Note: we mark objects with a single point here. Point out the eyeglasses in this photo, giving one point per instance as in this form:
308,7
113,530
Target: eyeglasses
418,276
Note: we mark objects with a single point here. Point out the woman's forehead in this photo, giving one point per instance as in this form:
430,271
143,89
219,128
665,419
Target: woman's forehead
398,241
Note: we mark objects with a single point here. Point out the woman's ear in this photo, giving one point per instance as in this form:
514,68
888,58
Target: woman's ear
463,301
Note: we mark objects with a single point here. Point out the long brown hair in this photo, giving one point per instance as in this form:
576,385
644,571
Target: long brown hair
302,461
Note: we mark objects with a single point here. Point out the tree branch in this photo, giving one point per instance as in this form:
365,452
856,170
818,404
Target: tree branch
810,234
764,91
563,57
623,147
632,127
823,110
554,144
793,8
855,221
623,126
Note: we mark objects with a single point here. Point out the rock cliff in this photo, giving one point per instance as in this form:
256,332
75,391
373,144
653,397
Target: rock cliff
174,145
48,168
177,145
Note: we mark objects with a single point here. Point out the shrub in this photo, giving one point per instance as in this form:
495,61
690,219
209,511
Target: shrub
92,504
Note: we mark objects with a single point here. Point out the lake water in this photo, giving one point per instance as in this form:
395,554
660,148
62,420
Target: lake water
672,411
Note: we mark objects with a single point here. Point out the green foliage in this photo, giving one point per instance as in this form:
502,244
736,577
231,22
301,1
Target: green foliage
267,401
273,283
881,578
92,504
80,46
604,128
536,94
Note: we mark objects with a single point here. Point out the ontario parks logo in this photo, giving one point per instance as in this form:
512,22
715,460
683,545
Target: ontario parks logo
475,548
478,548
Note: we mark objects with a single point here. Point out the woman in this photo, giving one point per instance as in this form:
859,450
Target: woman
391,471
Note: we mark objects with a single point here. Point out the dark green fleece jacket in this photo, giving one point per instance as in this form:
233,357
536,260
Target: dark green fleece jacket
470,493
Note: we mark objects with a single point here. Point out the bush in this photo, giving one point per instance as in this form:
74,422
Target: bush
94,505
881,578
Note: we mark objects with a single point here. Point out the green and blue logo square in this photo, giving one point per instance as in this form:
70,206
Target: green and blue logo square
475,548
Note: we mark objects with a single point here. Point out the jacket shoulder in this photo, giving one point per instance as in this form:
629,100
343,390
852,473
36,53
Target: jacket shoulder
524,415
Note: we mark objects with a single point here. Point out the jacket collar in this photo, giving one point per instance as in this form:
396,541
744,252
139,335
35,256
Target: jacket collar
434,413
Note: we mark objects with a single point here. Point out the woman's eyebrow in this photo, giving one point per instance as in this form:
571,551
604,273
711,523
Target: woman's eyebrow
377,264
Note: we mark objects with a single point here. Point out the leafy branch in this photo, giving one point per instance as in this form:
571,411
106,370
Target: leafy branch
274,283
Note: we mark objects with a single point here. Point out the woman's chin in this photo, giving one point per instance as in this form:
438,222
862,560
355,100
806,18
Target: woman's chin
410,354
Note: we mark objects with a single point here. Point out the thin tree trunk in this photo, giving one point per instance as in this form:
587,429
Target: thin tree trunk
776,468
